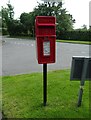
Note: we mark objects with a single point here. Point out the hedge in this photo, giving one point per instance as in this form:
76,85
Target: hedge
5,31
75,35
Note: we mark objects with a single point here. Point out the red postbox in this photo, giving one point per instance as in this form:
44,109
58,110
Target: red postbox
45,39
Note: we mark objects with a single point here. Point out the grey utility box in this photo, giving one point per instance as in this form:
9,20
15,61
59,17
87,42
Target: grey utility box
80,68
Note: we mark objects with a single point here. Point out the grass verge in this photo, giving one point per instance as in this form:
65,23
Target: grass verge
65,41
23,96
75,41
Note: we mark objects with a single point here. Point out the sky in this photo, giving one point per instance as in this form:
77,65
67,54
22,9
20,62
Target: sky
79,9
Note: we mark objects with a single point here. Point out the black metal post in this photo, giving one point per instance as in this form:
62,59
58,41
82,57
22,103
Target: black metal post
44,84
80,97
82,81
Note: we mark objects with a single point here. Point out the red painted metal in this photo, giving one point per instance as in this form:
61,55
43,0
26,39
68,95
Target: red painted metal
45,39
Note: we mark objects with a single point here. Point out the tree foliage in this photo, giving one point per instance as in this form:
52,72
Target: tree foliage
26,23
26,20
7,15
65,21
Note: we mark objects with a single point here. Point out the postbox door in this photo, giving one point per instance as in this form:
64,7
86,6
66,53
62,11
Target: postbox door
45,39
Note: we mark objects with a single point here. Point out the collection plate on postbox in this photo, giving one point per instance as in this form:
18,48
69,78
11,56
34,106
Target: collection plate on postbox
45,39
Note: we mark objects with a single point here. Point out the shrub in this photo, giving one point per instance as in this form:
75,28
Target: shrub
75,35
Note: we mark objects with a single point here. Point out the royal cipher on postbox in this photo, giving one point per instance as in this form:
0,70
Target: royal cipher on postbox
45,28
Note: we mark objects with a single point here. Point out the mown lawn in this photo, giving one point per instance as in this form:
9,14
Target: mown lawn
58,40
23,96
75,41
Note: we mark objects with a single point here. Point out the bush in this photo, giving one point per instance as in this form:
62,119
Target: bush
4,31
75,35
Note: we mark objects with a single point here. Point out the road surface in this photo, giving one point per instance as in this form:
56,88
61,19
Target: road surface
19,56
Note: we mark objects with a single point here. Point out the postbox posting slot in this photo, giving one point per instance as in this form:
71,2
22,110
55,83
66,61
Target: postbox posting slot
46,31
52,25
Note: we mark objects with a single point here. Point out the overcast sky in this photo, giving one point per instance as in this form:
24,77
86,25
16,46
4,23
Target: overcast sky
78,8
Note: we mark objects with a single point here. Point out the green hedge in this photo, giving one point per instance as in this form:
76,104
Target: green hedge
4,31
75,35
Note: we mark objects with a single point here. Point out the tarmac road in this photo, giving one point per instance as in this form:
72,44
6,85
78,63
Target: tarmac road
19,56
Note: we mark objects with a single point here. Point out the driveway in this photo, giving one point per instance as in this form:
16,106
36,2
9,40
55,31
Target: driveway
19,56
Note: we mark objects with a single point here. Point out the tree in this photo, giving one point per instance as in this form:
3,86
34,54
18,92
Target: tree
7,15
4,17
0,26
25,19
64,20
48,9
28,22
84,28
90,28
15,28
10,11
7,12
0,23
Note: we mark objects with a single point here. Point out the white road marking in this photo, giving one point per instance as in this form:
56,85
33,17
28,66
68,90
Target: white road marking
32,44
20,43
